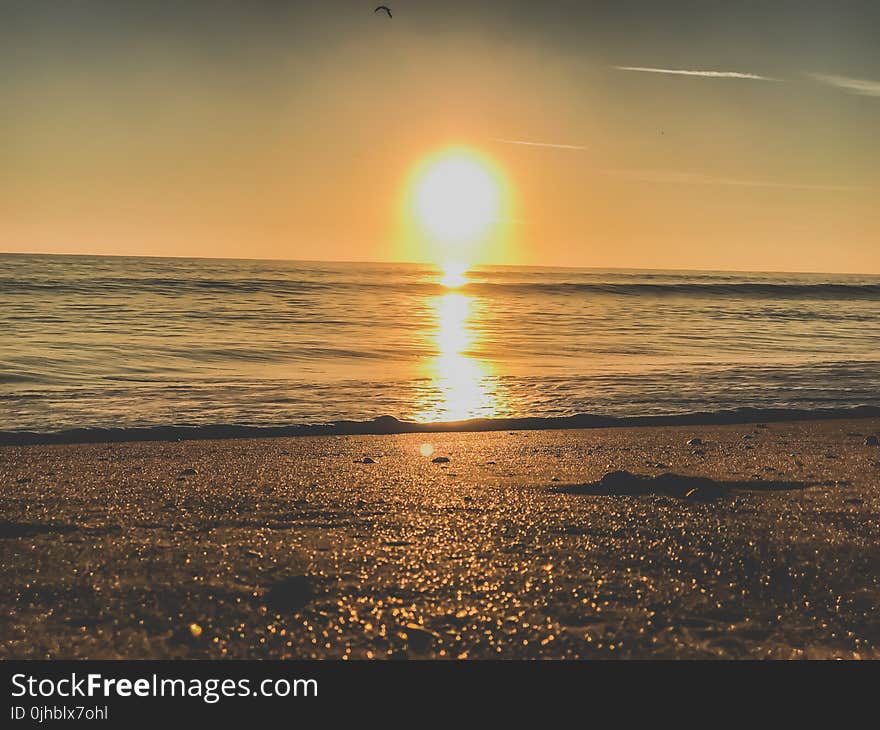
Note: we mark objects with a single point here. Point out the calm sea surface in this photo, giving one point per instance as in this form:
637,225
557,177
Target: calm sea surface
93,341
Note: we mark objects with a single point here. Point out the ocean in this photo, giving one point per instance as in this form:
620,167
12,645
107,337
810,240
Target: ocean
113,342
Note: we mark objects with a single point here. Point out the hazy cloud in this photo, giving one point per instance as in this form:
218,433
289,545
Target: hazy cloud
540,144
862,87
696,72
696,178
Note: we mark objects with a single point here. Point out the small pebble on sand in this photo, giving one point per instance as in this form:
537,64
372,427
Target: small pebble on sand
290,594
871,441
440,460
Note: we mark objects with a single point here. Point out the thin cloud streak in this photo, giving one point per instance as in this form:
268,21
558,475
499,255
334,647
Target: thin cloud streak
539,144
860,87
696,178
696,72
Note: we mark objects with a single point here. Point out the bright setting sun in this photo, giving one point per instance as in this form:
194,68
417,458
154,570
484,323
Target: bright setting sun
457,199
456,204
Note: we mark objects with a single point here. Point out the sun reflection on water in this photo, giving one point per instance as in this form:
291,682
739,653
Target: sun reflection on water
454,274
460,384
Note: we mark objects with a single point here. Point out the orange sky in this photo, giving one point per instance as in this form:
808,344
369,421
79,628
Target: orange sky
262,136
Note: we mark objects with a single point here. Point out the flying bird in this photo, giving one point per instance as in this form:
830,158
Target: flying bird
385,8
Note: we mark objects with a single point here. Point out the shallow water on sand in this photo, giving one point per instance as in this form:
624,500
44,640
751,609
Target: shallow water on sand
100,341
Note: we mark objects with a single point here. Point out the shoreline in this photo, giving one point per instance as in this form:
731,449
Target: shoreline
389,425
512,544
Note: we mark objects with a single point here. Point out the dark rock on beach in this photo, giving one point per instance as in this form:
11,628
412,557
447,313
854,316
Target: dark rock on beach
626,483
289,594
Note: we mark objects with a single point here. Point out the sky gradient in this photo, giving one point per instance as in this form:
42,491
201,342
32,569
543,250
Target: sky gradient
698,135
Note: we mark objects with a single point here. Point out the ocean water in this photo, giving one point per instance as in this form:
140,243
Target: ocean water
124,342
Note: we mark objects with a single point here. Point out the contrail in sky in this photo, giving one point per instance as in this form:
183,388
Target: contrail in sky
540,144
696,72
862,87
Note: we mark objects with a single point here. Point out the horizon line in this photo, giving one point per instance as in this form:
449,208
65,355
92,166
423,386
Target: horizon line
436,265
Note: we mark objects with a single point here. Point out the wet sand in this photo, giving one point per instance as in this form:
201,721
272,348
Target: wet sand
297,548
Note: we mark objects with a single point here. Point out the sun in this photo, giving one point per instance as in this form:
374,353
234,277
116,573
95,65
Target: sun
457,199
456,211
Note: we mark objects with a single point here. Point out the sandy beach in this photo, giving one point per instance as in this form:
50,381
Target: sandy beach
448,545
